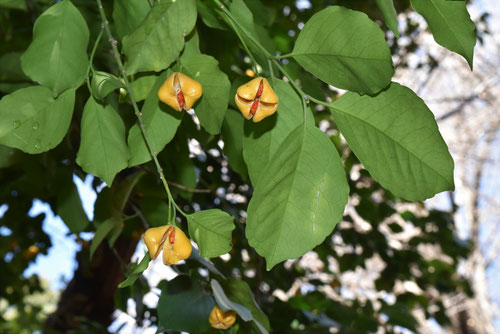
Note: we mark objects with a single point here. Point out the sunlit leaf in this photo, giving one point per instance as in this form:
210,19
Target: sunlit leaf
34,122
136,272
128,15
232,134
450,25
300,198
262,139
70,208
396,138
213,104
212,231
158,41
104,83
346,49
390,15
57,56
102,231
208,16
143,85
103,150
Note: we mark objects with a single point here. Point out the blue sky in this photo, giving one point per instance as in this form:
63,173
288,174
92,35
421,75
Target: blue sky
59,264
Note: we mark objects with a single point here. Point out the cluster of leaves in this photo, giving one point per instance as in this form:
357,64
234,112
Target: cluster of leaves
298,179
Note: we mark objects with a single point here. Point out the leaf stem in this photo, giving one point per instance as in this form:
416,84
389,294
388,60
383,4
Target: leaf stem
91,60
138,114
191,190
326,104
282,56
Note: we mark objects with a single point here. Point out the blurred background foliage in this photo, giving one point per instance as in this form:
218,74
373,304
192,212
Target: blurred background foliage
389,266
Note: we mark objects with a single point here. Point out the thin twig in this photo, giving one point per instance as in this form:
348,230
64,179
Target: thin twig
191,190
141,217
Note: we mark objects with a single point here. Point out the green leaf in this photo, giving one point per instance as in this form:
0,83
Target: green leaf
104,83
10,67
400,315
122,192
9,88
115,233
226,304
13,4
184,306
160,38
390,15
32,121
138,269
238,292
299,199
208,16
142,86
195,255
239,298
397,139
450,25
102,231
8,156
156,211
161,124
103,151
216,86
57,56
212,231
232,135
70,209
346,49
262,139
264,16
191,45
128,15
181,169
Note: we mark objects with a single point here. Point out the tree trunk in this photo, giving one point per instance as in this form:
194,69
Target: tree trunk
89,297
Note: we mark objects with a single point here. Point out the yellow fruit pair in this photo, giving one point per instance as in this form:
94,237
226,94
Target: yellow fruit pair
220,319
174,243
180,91
254,99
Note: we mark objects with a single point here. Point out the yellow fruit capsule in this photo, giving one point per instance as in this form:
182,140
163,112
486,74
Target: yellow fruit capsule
256,99
250,73
174,243
180,91
31,252
220,319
